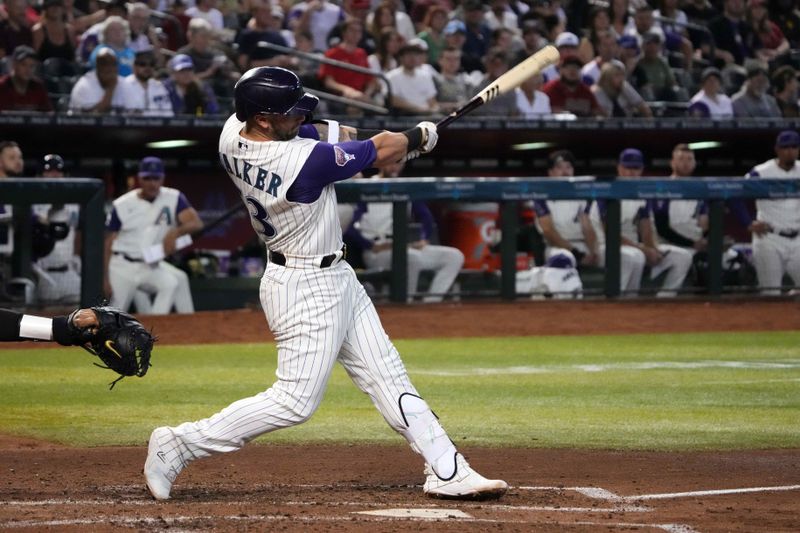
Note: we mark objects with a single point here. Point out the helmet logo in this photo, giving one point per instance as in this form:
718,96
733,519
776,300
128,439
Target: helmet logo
342,157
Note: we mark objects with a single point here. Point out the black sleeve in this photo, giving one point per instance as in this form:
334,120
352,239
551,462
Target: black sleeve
9,325
664,230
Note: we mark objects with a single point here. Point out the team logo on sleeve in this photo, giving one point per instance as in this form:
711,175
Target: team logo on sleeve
342,157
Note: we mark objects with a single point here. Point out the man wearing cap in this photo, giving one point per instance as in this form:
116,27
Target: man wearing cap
455,36
752,99
413,88
144,94
146,225
776,229
567,44
20,90
479,36
15,30
58,271
99,90
211,65
252,39
188,94
710,101
570,94
652,75
453,87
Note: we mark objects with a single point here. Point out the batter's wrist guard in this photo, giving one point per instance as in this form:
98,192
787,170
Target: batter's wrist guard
64,332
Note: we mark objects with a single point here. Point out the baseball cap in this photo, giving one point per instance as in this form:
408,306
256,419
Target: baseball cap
710,71
651,37
22,52
52,162
628,41
560,261
559,156
455,26
755,68
787,138
414,45
277,11
151,167
631,158
181,62
567,38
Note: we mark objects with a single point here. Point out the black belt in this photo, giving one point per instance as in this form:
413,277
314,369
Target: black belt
129,258
63,268
280,259
789,234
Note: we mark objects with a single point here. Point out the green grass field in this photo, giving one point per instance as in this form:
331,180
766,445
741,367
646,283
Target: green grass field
662,392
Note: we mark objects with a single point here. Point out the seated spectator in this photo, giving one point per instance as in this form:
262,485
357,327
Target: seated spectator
733,36
652,76
501,16
252,52
371,228
570,94
620,13
453,87
531,102
771,42
784,13
412,85
317,17
189,95
433,31
20,90
607,49
478,34
669,10
144,36
347,83
211,65
381,18
207,10
497,63
402,22
455,35
567,45
616,96
785,88
116,36
533,40
644,24
752,99
15,30
144,94
629,52
52,37
80,20
710,101
354,10
385,57
99,90
599,24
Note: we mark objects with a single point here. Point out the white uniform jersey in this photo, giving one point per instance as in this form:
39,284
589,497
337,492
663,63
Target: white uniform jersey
631,211
264,173
141,223
780,214
64,249
565,215
683,218
377,222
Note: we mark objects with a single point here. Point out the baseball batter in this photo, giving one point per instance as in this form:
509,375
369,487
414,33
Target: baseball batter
317,310
142,228
776,246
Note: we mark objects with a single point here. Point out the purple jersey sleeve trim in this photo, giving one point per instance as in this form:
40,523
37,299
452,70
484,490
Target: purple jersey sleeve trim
308,131
541,208
113,223
183,203
329,163
739,210
424,216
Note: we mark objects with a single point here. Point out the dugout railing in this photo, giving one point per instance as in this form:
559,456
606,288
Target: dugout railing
509,192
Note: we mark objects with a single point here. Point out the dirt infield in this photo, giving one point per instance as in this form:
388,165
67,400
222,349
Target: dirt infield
368,488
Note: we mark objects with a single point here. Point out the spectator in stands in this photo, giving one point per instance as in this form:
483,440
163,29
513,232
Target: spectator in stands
91,38
116,36
771,42
144,36
497,62
178,24
533,40
570,94
402,21
99,90
607,49
317,17
507,40
652,76
371,229
15,30
207,10
455,35
413,87
599,25
144,94
211,65
629,52
80,20
638,232
252,52
669,10
385,57
381,17
752,99
733,36
620,16
500,15
354,10
347,83
20,90
786,15
189,95
644,23
710,101
567,44
616,96
453,87
433,31
52,36
478,34
785,86
531,101
700,12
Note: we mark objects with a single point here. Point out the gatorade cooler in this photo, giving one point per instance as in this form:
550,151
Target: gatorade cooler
473,230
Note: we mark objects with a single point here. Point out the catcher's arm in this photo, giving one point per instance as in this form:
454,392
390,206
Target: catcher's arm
66,330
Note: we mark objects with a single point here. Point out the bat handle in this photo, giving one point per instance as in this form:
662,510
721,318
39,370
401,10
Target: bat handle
460,112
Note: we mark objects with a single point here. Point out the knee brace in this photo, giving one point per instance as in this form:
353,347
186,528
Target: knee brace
427,436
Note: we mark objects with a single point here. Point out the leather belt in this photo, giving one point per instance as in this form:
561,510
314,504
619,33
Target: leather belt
129,258
325,262
62,268
789,233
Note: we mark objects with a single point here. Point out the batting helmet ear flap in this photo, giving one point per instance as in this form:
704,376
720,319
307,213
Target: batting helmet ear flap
273,90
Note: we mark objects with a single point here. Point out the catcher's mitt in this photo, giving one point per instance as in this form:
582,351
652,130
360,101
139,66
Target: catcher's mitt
120,341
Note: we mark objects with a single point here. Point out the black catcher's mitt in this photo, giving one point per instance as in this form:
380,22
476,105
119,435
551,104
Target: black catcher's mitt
120,341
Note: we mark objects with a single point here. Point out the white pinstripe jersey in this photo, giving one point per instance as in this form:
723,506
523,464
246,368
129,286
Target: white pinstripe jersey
143,223
264,172
783,213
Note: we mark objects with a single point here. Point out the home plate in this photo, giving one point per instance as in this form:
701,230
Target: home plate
418,513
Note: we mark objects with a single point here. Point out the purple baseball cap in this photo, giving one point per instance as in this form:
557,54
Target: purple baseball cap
151,167
631,158
181,62
787,139
561,261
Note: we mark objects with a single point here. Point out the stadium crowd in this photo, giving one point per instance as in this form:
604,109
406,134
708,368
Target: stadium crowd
619,58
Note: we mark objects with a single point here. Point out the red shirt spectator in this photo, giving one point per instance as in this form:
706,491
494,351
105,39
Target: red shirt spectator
569,93
345,82
20,91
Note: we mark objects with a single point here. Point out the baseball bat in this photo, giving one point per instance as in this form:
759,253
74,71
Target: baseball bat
507,82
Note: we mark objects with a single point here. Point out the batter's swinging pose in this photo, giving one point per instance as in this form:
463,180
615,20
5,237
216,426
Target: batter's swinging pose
316,308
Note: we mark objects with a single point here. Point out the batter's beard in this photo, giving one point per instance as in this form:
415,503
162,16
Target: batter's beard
286,135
